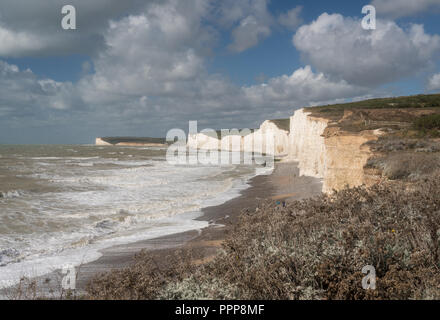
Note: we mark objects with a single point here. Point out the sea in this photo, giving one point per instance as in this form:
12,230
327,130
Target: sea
61,204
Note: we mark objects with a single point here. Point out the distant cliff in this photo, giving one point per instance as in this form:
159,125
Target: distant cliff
130,141
247,140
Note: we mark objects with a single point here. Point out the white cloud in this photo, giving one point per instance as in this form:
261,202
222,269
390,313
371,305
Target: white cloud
159,52
151,66
402,8
16,43
434,82
23,95
302,87
292,19
248,34
339,47
250,21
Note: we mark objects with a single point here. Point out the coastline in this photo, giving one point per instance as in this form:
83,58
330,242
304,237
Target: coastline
283,184
203,242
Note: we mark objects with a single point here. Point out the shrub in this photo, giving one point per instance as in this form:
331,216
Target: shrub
317,248
428,125
142,281
406,165
428,122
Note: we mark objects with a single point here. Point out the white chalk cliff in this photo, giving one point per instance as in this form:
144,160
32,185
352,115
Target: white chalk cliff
269,139
100,142
335,156
306,143
328,153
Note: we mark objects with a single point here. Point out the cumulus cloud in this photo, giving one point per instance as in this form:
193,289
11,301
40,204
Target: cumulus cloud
159,52
23,95
434,82
302,87
163,71
403,8
339,47
248,34
250,21
292,18
16,43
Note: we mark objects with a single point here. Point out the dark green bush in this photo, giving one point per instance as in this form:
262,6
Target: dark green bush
428,122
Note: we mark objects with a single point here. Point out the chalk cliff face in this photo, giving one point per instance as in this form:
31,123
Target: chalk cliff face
100,142
335,156
306,143
131,142
322,151
345,157
267,139
280,137
203,141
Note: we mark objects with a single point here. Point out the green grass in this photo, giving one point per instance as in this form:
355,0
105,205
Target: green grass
283,124
417,101
428,126
428,122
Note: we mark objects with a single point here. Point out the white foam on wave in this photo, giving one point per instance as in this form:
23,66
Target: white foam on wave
41,265
115,206
11,194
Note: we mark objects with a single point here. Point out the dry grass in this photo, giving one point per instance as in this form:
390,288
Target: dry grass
400,157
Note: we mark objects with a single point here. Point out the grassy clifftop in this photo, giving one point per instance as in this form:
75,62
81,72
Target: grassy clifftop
417,101
283,124
412,116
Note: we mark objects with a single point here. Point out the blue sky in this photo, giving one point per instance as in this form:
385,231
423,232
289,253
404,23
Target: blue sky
143,67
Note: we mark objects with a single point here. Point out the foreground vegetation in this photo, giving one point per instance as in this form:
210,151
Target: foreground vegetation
310,249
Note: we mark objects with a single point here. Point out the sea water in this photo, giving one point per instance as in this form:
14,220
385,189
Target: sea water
59,205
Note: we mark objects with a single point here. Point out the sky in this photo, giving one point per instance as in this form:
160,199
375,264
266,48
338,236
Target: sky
143,67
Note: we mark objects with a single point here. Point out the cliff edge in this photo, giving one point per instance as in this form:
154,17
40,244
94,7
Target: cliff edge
329,153
362,143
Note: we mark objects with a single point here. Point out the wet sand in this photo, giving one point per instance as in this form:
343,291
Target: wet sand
284,184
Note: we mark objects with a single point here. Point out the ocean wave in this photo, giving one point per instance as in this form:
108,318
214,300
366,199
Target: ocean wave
8,255
83,210
11,194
